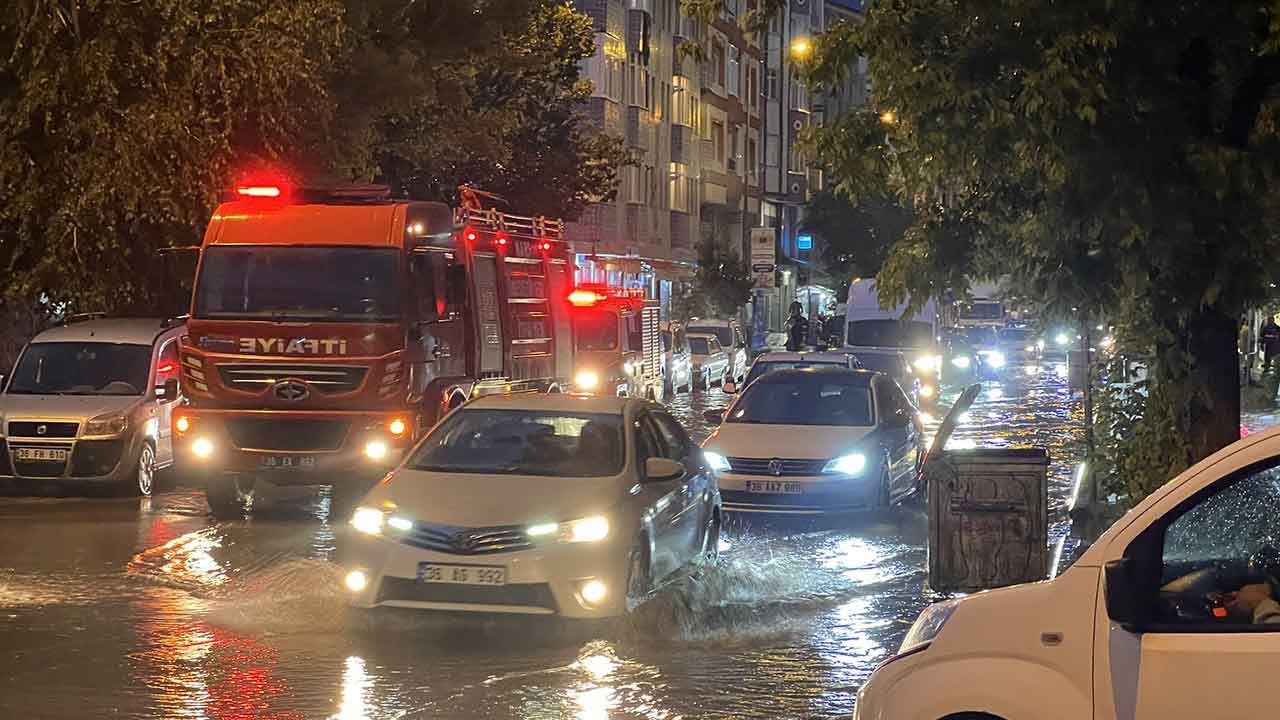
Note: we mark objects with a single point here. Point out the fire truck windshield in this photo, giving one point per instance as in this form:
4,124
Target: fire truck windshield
596,329
292,282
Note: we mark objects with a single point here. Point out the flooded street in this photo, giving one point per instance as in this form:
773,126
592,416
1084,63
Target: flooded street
150,608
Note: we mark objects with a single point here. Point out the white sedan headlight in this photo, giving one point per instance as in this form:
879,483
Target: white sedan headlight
588,529
368,520
109,425
928,625
716,461
850,464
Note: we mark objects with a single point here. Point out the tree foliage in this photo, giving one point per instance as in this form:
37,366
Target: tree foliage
1108,157
121,124
853,240
720,287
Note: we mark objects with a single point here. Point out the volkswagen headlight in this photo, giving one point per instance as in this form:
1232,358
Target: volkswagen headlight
109,425
928,625
716,461
368,520
587,380
588,529
850,464
960,361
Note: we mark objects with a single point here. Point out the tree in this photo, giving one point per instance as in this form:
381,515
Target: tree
853,240
720,287
1107,156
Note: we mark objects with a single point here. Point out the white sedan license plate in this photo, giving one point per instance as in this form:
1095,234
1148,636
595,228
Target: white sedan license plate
40,454
462,574
776,487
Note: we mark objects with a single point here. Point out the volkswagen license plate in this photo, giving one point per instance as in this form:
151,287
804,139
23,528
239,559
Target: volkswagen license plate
776,487
462,574
40,454
288,462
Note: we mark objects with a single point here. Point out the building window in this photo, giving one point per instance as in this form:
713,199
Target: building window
750,159
718,61
771,84
678,187
717,139
734,74
735,135
752,76
683,111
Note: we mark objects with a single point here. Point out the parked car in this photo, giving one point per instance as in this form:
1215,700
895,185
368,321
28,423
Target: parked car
894,364
573,505
677,359
732,339
711,363
90,403
788,359
816,440
1171,613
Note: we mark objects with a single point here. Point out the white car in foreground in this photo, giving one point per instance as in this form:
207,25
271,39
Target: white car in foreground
1172,613
537,504
816,440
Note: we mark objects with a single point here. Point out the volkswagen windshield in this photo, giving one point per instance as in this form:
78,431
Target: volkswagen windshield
798,398
299,283
73,368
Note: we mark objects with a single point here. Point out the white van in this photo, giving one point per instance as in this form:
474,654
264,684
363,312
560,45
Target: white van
871,327
1172,613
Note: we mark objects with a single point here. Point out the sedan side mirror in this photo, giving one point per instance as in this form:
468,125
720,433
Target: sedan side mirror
729,387
168,391
1121,590
658,469
713,416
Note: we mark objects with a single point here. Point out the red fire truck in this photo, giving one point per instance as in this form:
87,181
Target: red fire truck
331,328
618,342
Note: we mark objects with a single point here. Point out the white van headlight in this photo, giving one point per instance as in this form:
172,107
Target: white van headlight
109,425
928,625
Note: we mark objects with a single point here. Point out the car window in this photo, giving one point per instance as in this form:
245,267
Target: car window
785,398
673,436
714,344
1225,552
648,439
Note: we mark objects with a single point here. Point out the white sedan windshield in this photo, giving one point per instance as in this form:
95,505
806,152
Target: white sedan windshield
521,442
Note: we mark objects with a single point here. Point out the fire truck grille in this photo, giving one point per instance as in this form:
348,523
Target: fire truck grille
287,435
324,379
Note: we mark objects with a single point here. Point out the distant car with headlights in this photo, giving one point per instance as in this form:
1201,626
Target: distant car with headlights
711,362
816,440
570,505
89,403
789,360
895,365
1020,345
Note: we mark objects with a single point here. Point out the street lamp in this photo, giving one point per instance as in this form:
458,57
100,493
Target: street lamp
800,48
889,117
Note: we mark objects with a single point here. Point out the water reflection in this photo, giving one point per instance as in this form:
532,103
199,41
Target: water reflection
356,687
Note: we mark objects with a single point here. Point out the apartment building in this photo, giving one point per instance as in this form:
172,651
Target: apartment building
647,237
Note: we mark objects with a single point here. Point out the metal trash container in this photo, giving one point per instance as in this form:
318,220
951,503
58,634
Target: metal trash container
988,518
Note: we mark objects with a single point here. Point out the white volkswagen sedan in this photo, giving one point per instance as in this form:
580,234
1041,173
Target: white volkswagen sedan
816,440
578,506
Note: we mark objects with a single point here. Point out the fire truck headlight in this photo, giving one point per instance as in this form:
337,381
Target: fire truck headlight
587,380
202,448
375,450
628,367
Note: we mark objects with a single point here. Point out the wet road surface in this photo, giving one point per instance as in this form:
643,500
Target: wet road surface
150,608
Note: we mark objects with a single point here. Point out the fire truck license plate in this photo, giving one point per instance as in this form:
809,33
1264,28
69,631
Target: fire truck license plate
288,462
774,487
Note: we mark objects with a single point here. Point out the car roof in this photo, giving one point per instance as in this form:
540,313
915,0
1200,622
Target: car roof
711,323
835,371
553,402
132,331
704,336
828,356
860,353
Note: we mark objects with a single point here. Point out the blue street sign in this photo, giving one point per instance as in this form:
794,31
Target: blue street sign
804,242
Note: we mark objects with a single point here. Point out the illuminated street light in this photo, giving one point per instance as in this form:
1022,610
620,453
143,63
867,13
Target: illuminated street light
800,48
889,117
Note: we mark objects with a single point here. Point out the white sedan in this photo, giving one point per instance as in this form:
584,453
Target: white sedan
816,440
537,504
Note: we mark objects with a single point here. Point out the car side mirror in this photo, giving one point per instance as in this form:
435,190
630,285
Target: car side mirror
1122,593
658,469
713,416
168,391
899,419
729,387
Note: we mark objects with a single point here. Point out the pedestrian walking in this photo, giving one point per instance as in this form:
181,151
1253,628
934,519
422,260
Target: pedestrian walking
798,329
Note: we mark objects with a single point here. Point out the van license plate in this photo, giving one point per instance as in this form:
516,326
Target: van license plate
289,462
462,574
775,487
40,454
